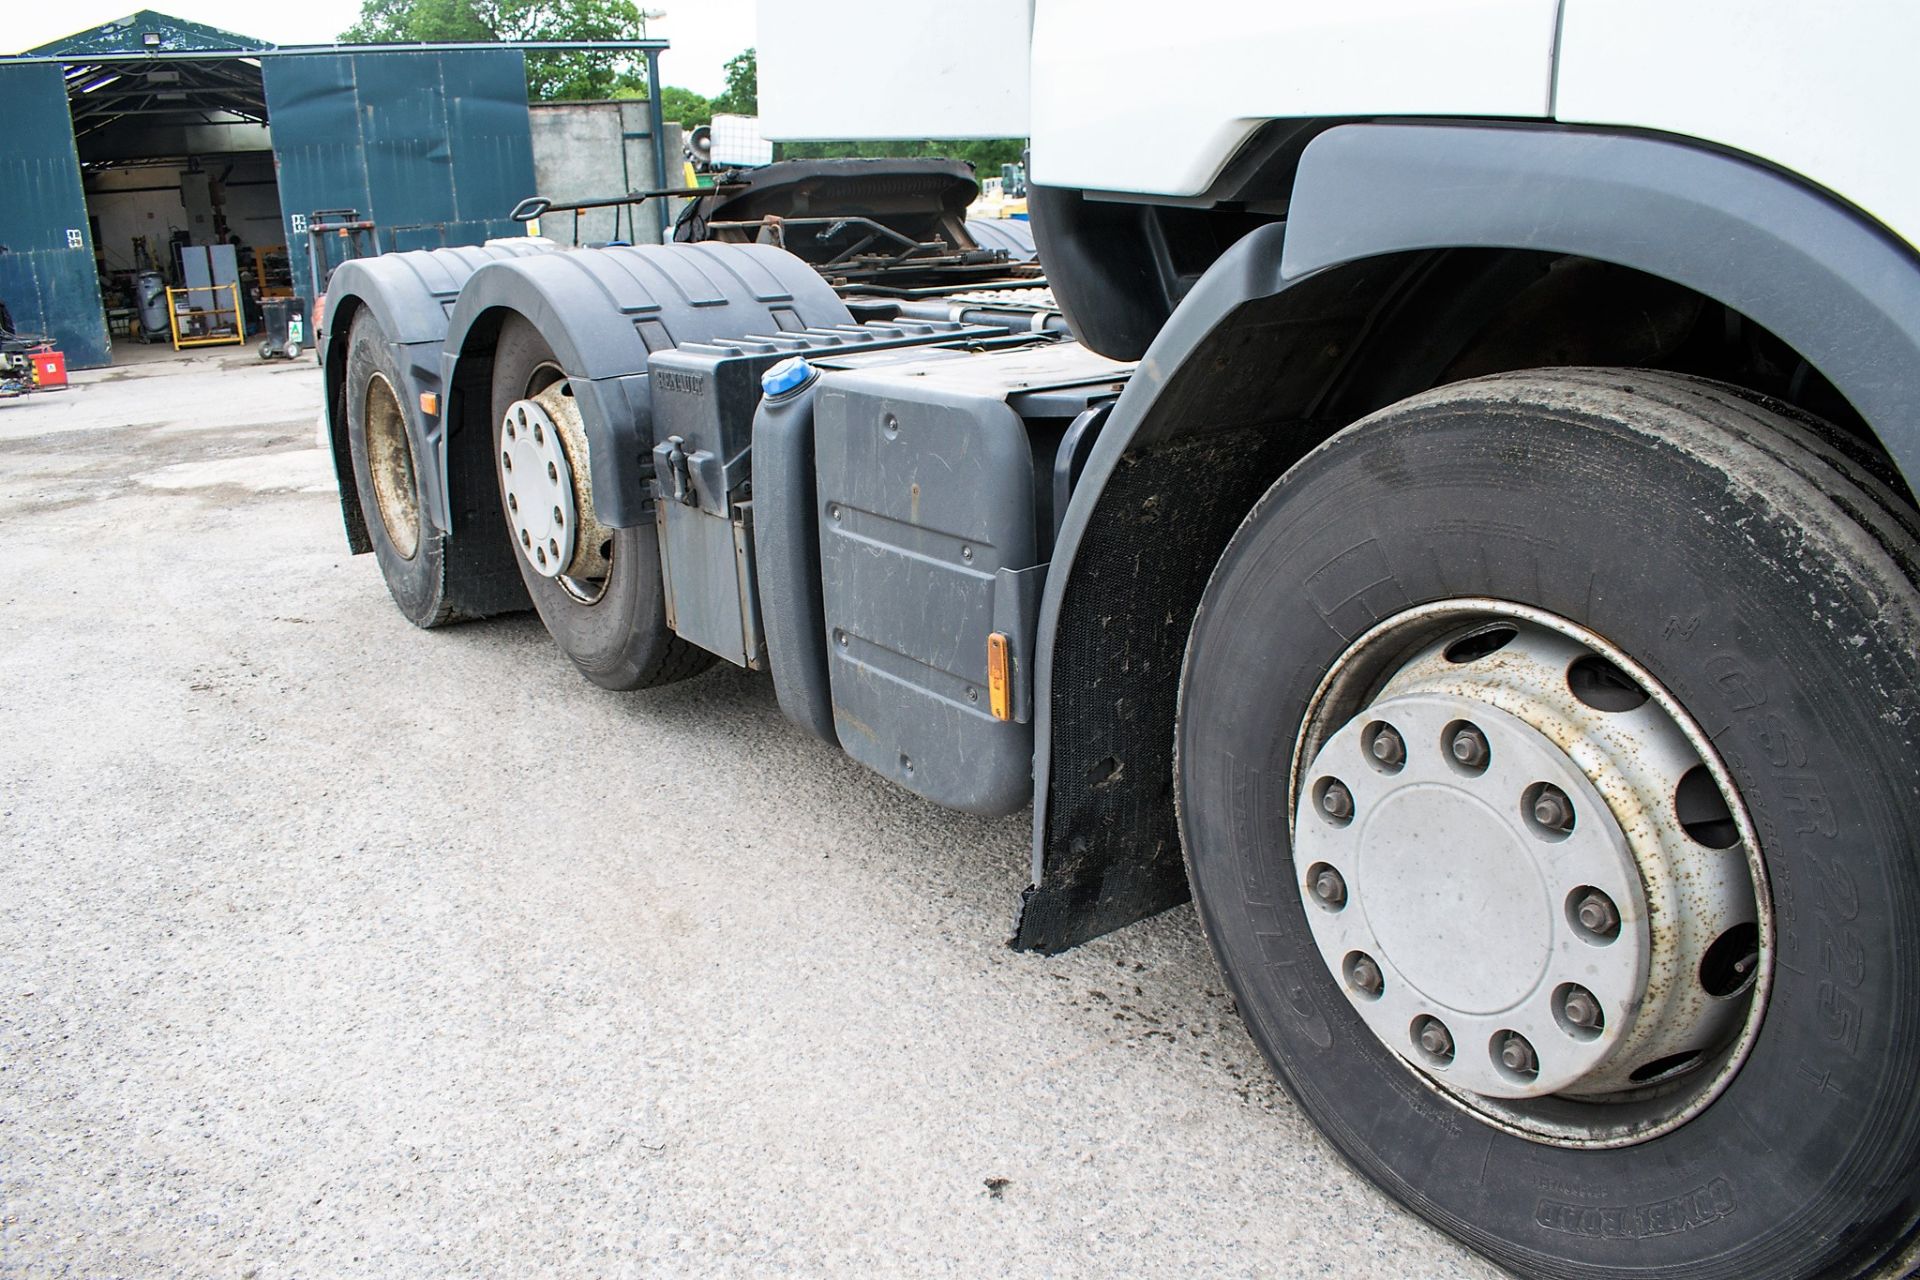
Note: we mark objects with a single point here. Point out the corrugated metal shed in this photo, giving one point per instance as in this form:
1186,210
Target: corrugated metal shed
431,143
47,274
433,147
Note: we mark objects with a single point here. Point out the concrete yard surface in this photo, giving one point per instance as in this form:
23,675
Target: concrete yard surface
335,948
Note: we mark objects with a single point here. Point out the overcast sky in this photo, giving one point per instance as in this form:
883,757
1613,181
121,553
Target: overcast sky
705,33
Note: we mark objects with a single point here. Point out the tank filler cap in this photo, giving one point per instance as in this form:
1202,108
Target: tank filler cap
789,375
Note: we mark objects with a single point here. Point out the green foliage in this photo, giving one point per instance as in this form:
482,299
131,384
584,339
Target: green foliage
581,73
685,107
741,97
986,154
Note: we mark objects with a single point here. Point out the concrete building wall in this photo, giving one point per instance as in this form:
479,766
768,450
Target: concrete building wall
591,150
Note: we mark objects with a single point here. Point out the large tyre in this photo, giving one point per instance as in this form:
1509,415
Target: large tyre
410,551
611,625
1716,595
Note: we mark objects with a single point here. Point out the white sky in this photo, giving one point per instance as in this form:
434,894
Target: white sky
704,33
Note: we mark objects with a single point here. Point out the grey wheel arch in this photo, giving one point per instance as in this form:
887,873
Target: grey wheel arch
1371,202
603,312
410,293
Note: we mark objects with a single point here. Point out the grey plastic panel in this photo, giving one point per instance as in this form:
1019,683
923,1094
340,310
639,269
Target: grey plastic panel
709,591
925,496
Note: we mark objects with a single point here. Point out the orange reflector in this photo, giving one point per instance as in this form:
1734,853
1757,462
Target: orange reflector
430,404
999,677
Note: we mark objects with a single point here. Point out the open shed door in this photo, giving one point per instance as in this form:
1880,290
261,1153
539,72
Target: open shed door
48,277
434,148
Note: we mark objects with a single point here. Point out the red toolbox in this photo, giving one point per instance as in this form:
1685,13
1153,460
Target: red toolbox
49,369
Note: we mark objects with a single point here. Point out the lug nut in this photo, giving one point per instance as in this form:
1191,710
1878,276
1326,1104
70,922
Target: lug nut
1469,747
1388,747
1552,809
1434,1039
1365,976
1336,801
1597,914
1329,887
1581,1009
1517,1056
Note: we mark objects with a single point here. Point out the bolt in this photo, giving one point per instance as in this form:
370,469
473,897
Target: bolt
1517,1056
1552,809
973,695
1435,1040
1469,747
1330,888
833,511
1365,976
1596,914
966,553
1582,1009
1337,801
1388,747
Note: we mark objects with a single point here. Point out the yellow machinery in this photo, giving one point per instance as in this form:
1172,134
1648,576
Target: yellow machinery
206,326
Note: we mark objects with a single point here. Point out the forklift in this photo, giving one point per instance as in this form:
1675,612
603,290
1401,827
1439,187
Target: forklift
334,236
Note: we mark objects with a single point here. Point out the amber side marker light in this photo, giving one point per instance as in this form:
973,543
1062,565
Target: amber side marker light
430,404
999,677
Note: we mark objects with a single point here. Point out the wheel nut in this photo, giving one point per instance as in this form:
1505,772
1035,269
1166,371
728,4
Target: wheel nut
1517,1056
1469,747
1337,801
1581,1009
1597,914
1329,887
1365,976
1552,809
1388,747
1434,1038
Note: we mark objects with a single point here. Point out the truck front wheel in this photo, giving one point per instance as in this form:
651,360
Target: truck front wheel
1548,785
598,590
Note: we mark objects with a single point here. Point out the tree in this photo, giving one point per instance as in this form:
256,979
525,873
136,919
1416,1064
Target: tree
741,97
684,107
576,73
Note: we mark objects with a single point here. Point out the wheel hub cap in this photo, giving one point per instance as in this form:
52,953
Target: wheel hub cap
538,486
1520,869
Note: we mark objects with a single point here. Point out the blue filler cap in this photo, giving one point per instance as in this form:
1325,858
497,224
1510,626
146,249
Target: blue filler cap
789,375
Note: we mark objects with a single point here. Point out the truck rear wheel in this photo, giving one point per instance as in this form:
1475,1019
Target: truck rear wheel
1546,778
598,590
410,551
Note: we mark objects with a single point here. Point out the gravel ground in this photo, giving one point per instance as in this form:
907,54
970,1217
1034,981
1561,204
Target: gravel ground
334,948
